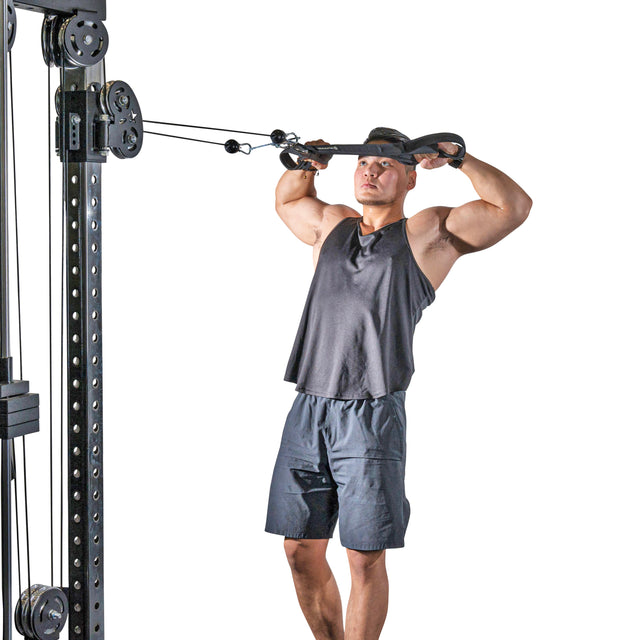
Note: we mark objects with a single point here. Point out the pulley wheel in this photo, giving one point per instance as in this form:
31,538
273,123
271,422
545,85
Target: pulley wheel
25,608
17,617
118,101
84,42
50,614
12,23
41,616
127,143
49,38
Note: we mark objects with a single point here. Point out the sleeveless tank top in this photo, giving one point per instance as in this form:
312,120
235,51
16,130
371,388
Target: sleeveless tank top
355,338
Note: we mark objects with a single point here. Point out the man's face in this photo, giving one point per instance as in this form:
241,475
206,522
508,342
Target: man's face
382,181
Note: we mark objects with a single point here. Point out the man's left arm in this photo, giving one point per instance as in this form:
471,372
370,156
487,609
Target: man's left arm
503,205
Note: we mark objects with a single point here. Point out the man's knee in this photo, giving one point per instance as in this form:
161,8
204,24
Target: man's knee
305,555
365,564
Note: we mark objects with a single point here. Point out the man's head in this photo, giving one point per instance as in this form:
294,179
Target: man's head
383,181
384,135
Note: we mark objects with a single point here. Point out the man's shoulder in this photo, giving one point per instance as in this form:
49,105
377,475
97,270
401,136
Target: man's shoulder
427,232
333,215
340,211
428,216
428,225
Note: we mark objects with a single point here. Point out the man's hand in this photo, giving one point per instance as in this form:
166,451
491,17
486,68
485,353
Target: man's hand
317,165
432,161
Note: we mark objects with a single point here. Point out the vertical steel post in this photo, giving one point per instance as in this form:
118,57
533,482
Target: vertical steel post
4,321
7,604
4,187
83,188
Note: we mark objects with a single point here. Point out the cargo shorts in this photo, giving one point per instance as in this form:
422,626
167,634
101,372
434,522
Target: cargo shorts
342,460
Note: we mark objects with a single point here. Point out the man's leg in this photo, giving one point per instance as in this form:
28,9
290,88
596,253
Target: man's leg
316,587
367,609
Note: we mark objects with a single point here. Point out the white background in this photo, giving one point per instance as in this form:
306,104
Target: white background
523,431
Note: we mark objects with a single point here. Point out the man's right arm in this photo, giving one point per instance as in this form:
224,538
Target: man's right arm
298,205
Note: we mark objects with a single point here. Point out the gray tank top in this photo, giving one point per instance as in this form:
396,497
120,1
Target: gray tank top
355,338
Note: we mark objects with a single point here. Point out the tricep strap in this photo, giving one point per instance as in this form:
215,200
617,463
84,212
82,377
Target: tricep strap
402,151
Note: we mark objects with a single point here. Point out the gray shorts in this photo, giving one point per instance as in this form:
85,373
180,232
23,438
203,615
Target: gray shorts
342,458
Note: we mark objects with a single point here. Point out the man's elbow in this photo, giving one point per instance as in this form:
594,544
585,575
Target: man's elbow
518,209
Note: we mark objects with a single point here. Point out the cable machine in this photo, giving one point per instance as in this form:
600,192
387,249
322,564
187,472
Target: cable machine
93,118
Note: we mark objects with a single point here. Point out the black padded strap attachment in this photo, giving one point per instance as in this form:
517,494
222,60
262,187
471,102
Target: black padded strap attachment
402,151
434,139
429,144
306,154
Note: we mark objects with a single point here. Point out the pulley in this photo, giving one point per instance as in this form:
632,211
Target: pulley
49,37
83,42
11,24
41,612
118,101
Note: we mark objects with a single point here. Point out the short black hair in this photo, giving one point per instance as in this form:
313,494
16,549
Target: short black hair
386,134
391,135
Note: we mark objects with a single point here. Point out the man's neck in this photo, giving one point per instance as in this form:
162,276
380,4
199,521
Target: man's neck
375,217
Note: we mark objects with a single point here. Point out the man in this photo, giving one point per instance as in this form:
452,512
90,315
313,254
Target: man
343,447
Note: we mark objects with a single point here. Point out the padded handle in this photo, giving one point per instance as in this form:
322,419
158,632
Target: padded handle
305,156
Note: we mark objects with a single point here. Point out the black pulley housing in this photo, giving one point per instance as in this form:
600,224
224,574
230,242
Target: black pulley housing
73,42
125,130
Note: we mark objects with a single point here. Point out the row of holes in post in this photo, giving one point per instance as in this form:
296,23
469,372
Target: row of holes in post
95,382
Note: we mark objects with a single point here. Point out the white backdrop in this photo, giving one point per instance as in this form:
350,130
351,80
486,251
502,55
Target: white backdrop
523,430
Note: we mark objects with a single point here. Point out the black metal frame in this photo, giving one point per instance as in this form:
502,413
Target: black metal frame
98,7
83,188
82,143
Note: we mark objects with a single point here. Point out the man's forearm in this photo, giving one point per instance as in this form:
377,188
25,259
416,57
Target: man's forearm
295,185
494,186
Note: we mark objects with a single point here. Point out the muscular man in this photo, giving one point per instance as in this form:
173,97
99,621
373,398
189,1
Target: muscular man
343,448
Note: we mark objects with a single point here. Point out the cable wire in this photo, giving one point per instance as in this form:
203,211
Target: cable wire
26,519
15,496
50,321
195,126
15,195
167,135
